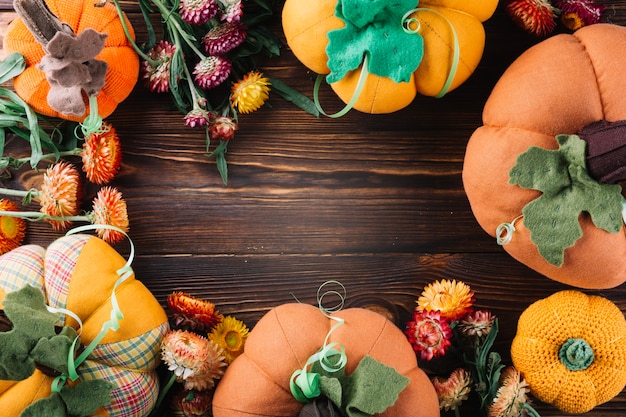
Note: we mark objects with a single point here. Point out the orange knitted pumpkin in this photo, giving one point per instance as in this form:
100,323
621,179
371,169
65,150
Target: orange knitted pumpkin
79,273
560,86
123,63
442,28
257,383
570,349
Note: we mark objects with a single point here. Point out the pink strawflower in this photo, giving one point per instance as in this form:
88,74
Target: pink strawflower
578,13
477,323
232,10
223,128
224,38
158,76
198,12
534,16
197,117
212,71
429,334
453,390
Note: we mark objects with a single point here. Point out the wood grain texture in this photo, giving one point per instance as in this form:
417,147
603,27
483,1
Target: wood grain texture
375,201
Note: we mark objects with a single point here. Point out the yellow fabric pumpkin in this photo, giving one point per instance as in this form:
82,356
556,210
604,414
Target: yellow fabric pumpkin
306,25
78,273
570,348
123,63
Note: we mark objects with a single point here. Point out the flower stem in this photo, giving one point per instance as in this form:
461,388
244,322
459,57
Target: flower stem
163,393
130,38
530,410
18,193
17,163
37,215
166,14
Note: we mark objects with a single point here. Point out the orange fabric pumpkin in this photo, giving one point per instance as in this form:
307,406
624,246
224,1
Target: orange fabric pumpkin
558,86
257,382
306,24
78,273
123,70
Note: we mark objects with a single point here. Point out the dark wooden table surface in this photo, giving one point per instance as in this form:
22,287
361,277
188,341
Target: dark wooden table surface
374,201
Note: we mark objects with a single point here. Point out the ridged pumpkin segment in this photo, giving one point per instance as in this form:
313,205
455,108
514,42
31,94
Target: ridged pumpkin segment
570,349
123,70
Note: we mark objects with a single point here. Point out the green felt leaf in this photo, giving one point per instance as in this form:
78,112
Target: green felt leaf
52,406
370,389
15,361
26,308
86,397
375,28
567,191
53,352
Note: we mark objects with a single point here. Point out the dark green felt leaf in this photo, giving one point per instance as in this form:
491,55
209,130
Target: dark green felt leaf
53,352
52,406
15,361
26,308
568,191
86,397
374,28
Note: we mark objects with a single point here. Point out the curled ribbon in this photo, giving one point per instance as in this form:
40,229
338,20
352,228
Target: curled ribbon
504,231
112,324
332,357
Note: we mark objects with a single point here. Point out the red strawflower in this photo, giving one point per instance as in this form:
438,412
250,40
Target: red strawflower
429,334
212,71
223,38
535,16
158,76
223,128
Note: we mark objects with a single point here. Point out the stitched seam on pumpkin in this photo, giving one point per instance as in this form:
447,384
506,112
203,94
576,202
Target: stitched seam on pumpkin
593,68
303,31
447,44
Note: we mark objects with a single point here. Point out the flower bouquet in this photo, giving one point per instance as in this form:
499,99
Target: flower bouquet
445,326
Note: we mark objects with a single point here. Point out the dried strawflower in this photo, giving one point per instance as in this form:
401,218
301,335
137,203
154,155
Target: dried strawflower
194,360
578,13
232,10
193,313
477,323
102,156
156,71
192,403
429,334
198,12
109,208
511,399
59,194
250,93
455,389
222,128
197,117
452,299
534,16
12,229
212,71
224,38
230,335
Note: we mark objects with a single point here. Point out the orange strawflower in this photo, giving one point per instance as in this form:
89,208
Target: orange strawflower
250,93
110,209
102,156
452,299
12,229
59,194
193,313
452,391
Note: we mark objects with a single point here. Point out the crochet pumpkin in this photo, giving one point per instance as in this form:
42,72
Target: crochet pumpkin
430,48
78,273
527,169
123,64
570,349
258,382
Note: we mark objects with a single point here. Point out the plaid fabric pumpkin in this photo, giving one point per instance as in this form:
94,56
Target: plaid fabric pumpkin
78,273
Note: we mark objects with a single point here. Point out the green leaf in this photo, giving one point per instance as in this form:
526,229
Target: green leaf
294,96
567,191
53,352
52,406
11,66
26,308
86,397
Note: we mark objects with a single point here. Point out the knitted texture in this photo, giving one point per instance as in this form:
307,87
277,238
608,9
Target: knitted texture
570,349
